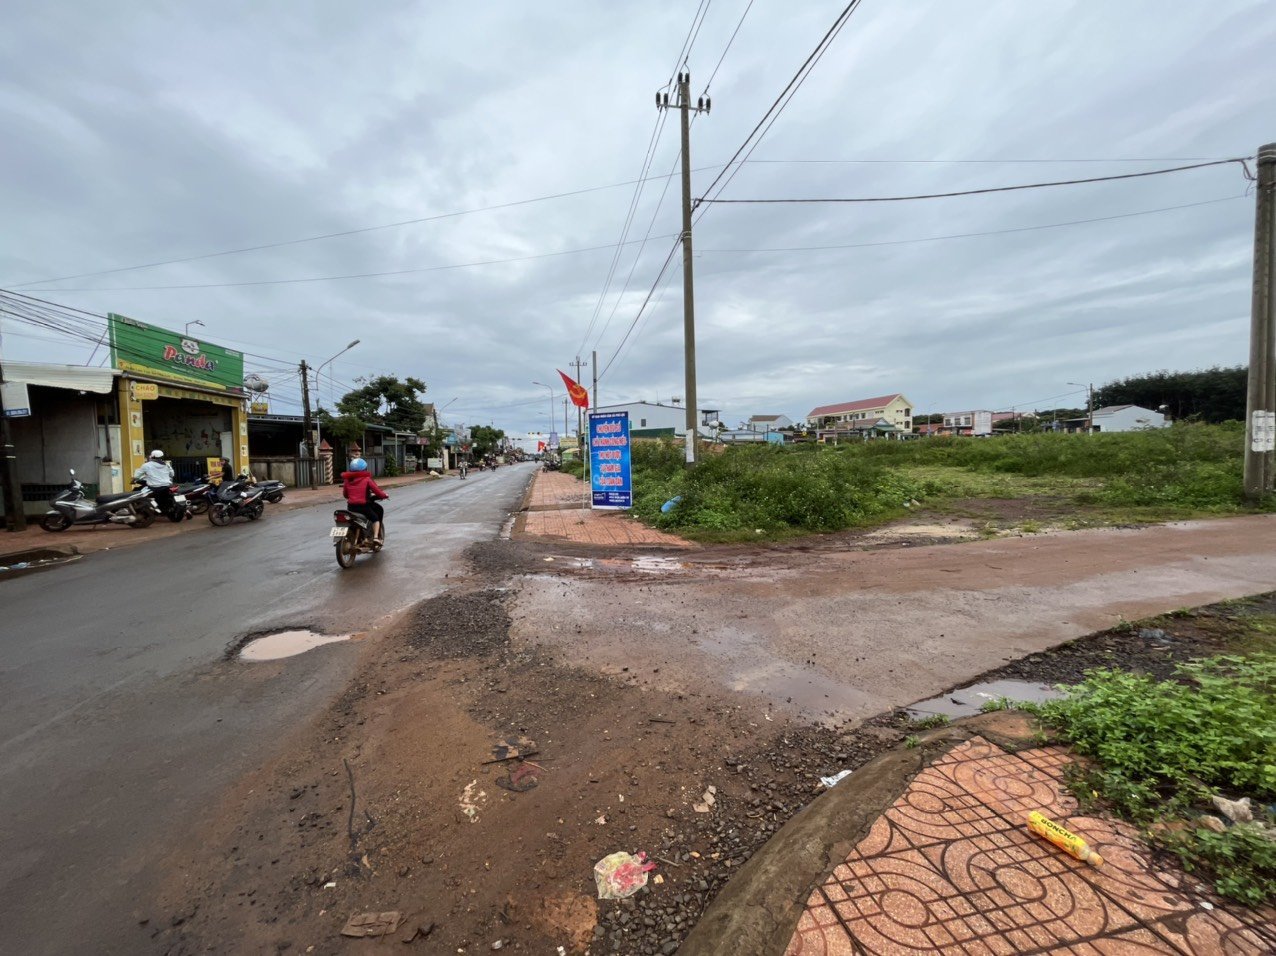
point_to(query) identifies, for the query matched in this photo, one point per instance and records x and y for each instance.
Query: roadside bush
(740, 490)
(1162, 748)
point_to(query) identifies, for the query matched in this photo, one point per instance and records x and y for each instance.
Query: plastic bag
(621, 874)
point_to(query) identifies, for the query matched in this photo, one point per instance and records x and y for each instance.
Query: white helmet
(157, 453)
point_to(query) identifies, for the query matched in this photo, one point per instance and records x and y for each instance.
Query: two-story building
(863, 416)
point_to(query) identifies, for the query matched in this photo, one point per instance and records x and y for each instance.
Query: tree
(485, 439)
(1211, 395)
(385, 400)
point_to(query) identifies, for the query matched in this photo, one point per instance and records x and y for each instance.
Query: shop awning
(79, 377)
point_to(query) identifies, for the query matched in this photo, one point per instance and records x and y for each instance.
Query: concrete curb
(38, 559)
(757, 911)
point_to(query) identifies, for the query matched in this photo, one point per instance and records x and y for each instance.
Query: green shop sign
(150, 350)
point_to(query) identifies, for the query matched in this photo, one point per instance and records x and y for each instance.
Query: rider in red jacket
(364, 497)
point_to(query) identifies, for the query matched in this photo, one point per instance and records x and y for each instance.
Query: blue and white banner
(610, 474)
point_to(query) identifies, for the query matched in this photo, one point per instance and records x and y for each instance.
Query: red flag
(575, 391)
(540, 446)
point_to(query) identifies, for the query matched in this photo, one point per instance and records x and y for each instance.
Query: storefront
(180, 395)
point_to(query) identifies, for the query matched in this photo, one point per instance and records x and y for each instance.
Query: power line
(336, 278)
(728, 46)
(331, 235)
(786, 95)
(974, 235)
(990, 189)
(668, 259)
(1007, 162)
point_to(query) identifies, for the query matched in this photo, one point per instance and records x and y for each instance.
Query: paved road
(120, 719)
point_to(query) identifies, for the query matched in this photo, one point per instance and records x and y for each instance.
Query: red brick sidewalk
(952, 868)
(557, 508)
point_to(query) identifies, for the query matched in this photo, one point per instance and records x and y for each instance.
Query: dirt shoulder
(599, 658)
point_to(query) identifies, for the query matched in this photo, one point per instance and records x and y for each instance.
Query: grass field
(764, 491)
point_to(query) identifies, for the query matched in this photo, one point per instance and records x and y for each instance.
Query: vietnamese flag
(575, 391)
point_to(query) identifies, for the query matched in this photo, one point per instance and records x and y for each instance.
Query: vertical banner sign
(610, 474)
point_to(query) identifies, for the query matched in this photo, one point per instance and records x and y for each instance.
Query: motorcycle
(352, 536)
(464, 468)
(134, 508)
(199, 495)
(237, 499)
(272, 491)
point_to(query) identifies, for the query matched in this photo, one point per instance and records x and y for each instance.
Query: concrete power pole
(595, 365)
(1260, 400)
(685, 108)
(580, 412)
(311, 452)
(15, 518)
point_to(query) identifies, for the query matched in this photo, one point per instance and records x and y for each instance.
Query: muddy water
(970, 700)
(274, 647)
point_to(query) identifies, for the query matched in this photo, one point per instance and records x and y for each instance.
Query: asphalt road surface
(121, 720)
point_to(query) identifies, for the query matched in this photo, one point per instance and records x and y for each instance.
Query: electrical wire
(727, 50)
(781, 102)
(975, 235)
(990, 189)
(329, 235)
(642, 308)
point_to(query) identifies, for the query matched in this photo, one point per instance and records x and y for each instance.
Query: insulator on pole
(700, 104)
(657, 99)
(708, 103)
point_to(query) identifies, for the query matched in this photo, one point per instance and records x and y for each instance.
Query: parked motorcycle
(237, 499)
(135, 508)
(272, 491)
(199, 495)
(352, 536)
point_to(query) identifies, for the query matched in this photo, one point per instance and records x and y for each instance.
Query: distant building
(655, 419)
(978, 422)
(864, 417)
(1119, 418)
(765, 423)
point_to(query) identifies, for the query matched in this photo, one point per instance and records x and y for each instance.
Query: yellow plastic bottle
(1064, 839)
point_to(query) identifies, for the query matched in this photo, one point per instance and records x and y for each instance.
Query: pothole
(971, 700)
(273, 647)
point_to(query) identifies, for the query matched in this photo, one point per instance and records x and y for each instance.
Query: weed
(1122, 626)
(926, 723)
(1000, 703)
(1163, 747)
(912, 741)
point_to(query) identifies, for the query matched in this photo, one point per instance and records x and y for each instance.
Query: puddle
(969, 700)
(274, 647)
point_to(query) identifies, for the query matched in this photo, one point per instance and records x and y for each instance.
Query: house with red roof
(864, 415)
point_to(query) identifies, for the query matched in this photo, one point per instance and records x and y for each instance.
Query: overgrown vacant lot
(753, 492)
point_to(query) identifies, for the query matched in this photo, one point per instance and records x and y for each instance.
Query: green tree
(1212, 395)
(387, 400)
(484, 439)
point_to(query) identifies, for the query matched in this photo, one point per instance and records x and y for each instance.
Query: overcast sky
(141, 132)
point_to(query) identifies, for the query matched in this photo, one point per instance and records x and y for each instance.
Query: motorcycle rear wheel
(176, 515)
(199, 506)
(144, 519)
(253, 512)
(347, 548)
(219, 514)
(55, 522)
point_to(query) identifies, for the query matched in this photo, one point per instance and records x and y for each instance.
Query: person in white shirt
(157, 474)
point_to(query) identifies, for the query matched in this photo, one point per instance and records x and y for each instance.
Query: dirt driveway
(644, 680)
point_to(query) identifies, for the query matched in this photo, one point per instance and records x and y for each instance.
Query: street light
(189, 324)
(551, 402)
(1089, 405)
(318, 385)
(319, 374)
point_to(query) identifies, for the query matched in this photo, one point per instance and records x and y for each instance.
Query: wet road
(120, 720)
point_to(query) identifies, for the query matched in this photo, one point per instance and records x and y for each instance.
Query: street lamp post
(189, 324)
(319, 374)
(551, 403)
(318, 381)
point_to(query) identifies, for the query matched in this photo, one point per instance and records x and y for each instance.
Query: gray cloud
(143, 133)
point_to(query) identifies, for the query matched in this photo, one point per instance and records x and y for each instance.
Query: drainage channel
(274, 647)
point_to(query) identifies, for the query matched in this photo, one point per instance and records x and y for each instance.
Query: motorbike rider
(157, 475)
(364, 497)
(228, 473)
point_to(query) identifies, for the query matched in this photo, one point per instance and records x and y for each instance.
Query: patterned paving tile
(951, 867)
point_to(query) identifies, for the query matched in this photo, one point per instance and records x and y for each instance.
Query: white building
(976, 422)
(654, 419)
(768, 423)
(1127, 418)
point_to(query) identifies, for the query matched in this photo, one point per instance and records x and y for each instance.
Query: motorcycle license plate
(337, 533)
(179, 499)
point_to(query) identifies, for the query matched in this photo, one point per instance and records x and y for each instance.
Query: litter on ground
(619, 875)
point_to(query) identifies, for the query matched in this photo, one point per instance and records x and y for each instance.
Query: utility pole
(595, 364)
(307, 443)
(565, 431)
(15, 519)
(580, 412)
(685, 109)
(1089, 409)
(1260, 399)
